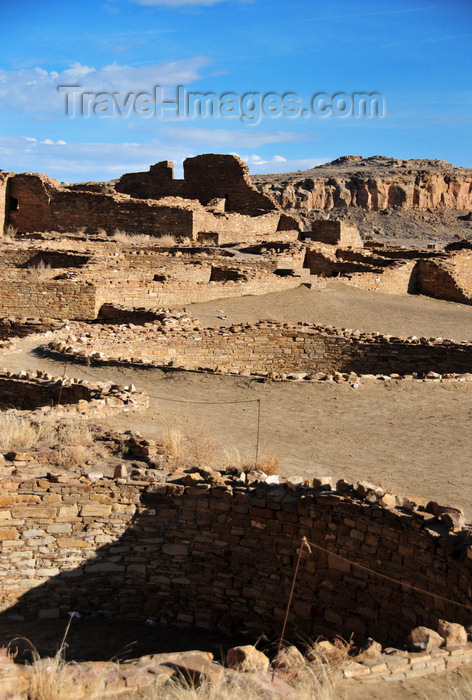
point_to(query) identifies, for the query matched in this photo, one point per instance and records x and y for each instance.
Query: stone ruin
(145, 548)
(215, 202)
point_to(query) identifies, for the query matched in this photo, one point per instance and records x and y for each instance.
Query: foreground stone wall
(224, 555)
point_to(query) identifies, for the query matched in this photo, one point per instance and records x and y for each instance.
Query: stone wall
(272, 348)
(39, 392)
(11, 327)
(29, 395)
(396, 279)
(54, 299)
(3, 201)
(336, 232)
(43, 205)
(207, 177)
(449, 278)
(236, 228)
(224, 555)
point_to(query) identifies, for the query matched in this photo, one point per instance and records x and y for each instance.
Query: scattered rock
(424, 639)
(453, 633)
(247, 658)
(370, 649)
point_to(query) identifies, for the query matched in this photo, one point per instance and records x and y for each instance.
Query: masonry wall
(397, 279)
(11, 327)
(180, 292)
(236, 228)
(61, 299)
(444, 280)
(44, 206)
(27, 396)
(206, 177)
(274, 347)
(335, 232)
(3, 201)
(224, 555)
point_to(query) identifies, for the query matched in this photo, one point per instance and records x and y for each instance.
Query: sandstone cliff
(372, 184)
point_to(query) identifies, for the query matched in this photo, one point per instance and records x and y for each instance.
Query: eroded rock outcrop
(374, 183)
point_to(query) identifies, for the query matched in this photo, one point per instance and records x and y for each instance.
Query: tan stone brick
(97, 510)
(64, 543)
(9, 534)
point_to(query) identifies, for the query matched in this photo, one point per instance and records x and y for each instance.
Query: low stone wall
(363, 269)
(39, 391)
(270, 348)
(12, 327)
(213, 552)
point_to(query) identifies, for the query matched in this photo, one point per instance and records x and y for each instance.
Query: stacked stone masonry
(224, 555)
(269, 348)
(150, 203)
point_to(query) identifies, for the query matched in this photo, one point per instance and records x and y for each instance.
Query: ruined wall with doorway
(44, 205)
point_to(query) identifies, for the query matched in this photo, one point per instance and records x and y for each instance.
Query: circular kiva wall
(224, 555)
(270, 347)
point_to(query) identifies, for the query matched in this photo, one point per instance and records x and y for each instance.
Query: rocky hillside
(429, 197)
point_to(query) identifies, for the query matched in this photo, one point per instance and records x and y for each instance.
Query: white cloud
(231, 138)
(103, 161)
(177, 3)
(49, 142)
(35, 89)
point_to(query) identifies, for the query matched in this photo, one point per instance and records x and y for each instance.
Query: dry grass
(51, 679)
(167, 241)
(122, 236)
(196, 446)
(269, 465)
(18, 432)
(326, 658)
(10, 232)
(192, 443)
(304, 688)
(41, 272)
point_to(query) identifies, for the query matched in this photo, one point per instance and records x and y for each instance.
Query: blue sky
(416, 55)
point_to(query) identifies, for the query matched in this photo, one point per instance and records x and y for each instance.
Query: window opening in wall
(14, 206)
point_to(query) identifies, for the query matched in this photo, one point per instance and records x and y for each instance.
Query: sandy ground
(338, 304)
(411, 436)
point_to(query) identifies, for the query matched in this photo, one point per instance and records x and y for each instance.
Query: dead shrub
(167, 240)
(19, 432)
(41, 272)
(269, 465)
(10, 232)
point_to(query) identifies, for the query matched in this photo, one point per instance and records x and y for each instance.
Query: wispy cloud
(177, 3)
(104, 161)
(232, 138)
(35, 89)
(352, 15)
